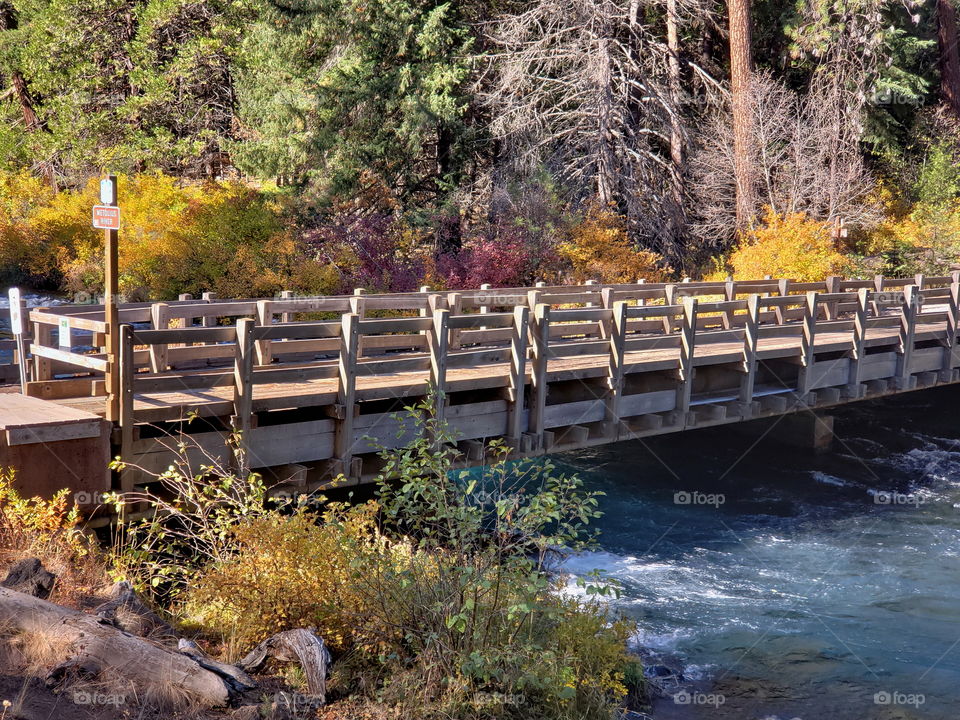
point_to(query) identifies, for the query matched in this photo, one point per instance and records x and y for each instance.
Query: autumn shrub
(502, 262)
(48, 529)
(787, 246)
(437, 596)
(377, 252)
(598, 249)
(288, 571)
(176, 236)
(924, 240)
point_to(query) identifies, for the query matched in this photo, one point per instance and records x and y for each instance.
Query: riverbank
(434, 599)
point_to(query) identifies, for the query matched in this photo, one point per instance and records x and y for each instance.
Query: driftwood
(301, 646)
(128, 612)
(233, 675)
(140, 661)
(31, 577)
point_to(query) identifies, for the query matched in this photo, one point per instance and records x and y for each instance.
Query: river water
(801, 586)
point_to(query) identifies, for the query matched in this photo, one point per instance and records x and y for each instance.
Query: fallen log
(148, 666)
(128, 612)
(31, 577)
(300, 646)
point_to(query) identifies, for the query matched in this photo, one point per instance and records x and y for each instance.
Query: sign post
(16, 327)
(107, 216)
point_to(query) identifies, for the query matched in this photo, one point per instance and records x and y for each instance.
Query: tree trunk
(8, 21)
(676, 132)
(135, 659)
(741, 72)
(606, 167)
(949, 56)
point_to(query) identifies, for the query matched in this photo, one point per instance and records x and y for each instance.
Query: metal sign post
(16, 326)
(109, 220)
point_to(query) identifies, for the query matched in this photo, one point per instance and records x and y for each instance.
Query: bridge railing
(53, 329)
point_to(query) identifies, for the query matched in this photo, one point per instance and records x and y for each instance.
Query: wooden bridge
(313, 383)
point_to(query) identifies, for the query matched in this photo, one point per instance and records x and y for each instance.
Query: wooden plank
(647, 403)
(859, 337)
(518, 374)
(539, 353)
(243, 381)
(184, 335)
(908, 329)
(807, 343)
(89, 362)
(750, 341)
(951, 358)
(33, 434)
(126, 420)
(264, 349)
(160, 319)
(687, 343)
(438, 340)
(42, 338)
(615, 369)
(347, 391)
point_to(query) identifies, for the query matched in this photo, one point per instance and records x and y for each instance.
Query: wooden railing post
(160, 319)
(688, 334)
(615, 370)
(42, 337)
(783, 286)
(518, 374)
(908, 330)
(950, 353)
(484, 305)
(807, 344)
(346, 392)
(437, 341)
(590, 282)
(286, 317)
(264, 319)
(243, 382)
(455, 304)
(208, 320)
(832, 285)
(857, 349)
(669, 298)
(539, 352)
(751, 331)
(729, 294)
(126, 420)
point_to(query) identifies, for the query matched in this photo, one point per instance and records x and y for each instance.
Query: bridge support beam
(807, 430)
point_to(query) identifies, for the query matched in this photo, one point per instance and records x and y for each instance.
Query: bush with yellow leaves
(924, 240)
(598, 249)
(288, 572)
(176, 236)
(48, 529)
(787, 246)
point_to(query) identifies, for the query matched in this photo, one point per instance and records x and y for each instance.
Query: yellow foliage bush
(48, 530)
(599, 249)
(788, 246)
(925, 240)
(175, 237)
(288, 572)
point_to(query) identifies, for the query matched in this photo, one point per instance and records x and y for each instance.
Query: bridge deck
(218, 401)
(316, 381)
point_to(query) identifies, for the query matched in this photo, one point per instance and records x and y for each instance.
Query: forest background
(323, 145)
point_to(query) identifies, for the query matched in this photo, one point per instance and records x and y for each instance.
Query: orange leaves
(598, 249)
